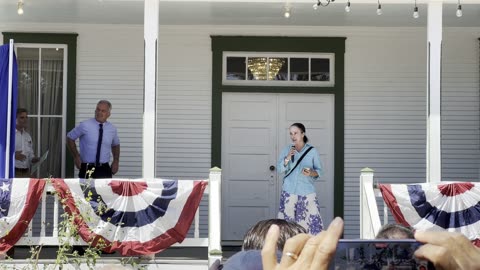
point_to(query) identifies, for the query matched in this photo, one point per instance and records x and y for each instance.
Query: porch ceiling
(240, 12)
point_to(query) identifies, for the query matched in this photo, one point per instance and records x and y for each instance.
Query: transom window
(292, 69)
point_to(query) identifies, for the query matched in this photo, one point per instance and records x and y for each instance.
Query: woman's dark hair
(395, 231)
(302, 128)
(255, 237)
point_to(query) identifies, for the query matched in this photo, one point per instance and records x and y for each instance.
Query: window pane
(277, 69)
(51, 136)
(320, 69)
(235, 68)
(51, 83)
(257, 68)
(27, 61)
(298, 69)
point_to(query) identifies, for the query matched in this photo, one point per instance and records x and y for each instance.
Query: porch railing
(48, 228)
(370, 222)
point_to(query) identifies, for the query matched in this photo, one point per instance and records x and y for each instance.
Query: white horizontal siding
(385, 102)
(385, 98)
(110, 66)
(460, 105)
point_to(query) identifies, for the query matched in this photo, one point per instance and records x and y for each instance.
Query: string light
(459, 12)
(379, 8)
(20, 7)
(320, 3)
(286, 14)
(347, 7)
(415, 11)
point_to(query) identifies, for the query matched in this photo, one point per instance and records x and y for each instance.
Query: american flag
(436, 206)
(17, 207)
(134, 217)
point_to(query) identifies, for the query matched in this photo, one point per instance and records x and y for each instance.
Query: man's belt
(90, 165)
(21, 169)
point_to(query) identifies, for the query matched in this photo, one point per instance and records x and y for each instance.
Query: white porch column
(434, 54)
(151, 14)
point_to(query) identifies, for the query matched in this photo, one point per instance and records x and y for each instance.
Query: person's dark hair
(21, 110)
(255, 236)
(302, 128)
(395, 231)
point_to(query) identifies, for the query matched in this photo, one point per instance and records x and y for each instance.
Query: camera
(353, 254)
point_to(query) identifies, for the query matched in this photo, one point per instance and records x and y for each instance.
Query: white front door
(254, 130)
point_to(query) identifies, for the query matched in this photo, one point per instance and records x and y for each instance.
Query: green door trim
(70, 39)
(334, 45)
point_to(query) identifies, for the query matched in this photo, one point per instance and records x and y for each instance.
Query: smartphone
(378, 254)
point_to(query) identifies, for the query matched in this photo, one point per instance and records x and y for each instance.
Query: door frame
(334, 45)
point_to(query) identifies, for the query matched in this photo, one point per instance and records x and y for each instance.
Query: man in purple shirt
(98, 138)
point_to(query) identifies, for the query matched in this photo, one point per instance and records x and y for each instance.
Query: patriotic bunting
(19, 199)
(133, 217)
(434, 206)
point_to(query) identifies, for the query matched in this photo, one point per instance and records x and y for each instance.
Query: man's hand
(20, 156)
(35, 159)
(78, 162)
(114, 166)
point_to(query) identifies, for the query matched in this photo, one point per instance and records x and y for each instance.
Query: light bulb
(347, 7)
(315, 6)
(286, 14)
(415, 13)
(459, 12)
(20, 8)
(379, 10)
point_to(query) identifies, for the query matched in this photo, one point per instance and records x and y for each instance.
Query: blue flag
(4, 121)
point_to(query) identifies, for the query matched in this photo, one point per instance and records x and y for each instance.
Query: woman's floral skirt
(303, 210)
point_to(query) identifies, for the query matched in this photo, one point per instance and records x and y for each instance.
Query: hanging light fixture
(415, 11)
(286, 14)
(347, 7)
(379, 8)
(20, 7)
(323, 4)
(459, 12)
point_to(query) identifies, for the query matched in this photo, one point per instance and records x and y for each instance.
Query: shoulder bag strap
(298, 162)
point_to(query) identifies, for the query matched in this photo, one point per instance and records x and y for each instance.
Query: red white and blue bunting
(133, 217)
(436, 206)
(19, 198)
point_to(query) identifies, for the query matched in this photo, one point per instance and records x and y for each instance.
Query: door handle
(272, 168)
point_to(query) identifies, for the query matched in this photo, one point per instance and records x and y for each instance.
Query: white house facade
(384, 91)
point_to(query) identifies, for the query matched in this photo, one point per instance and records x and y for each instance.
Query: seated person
(395, 231)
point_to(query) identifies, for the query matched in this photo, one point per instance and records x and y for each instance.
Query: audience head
(395, 231)
(255, 236)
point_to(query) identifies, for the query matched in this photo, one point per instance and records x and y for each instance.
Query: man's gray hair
(104, 101)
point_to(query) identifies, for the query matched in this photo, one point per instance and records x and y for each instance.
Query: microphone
(293, 156)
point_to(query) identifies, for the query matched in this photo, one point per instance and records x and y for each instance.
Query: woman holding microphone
(300, 165)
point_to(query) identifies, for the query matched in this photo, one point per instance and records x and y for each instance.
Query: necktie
(99, 144)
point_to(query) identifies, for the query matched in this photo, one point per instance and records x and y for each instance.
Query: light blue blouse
(296, 182)
(88, 131)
